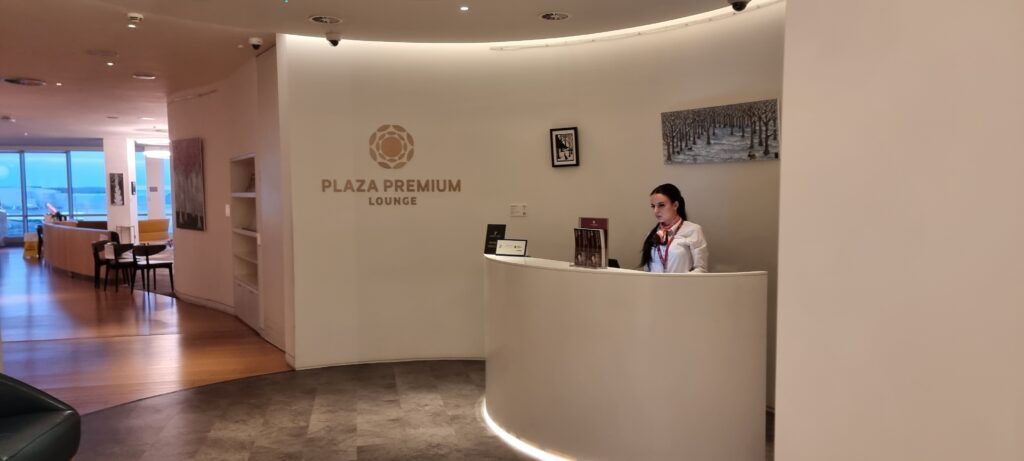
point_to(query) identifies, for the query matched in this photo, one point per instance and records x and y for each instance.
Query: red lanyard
(664, 256)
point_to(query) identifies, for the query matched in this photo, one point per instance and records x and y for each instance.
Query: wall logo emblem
(391, 146)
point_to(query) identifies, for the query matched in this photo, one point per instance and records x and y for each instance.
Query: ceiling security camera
(739, 5)
(333, 37)
(255, 43)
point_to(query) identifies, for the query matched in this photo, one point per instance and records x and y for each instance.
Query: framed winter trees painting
(732, 133)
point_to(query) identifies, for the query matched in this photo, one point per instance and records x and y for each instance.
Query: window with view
(33, 182)
(88, 186)
(143, 182)
(140, 184)
(46, 186)
(10, 195)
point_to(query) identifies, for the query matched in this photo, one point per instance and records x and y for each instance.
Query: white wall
(900, 299)
(375, 283)
(119, 157)
(239, 116)
(275, 214)
(226, 121)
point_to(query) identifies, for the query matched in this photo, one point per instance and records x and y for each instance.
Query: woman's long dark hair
(674, 196)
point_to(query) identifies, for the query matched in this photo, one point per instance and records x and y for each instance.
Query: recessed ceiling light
(144, 76)
(148, 119)
(554, 16)
(322, 19)
(59, 84)
(463, 8)
(134, 19)
(110, 63)
(113, 117)
(26, 133)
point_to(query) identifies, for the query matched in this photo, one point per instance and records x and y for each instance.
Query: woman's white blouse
(688, 251)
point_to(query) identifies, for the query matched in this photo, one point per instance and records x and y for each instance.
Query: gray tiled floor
(392, 411)
(402, 411)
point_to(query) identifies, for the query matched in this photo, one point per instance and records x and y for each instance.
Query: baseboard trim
(205, 302)
(365, 362)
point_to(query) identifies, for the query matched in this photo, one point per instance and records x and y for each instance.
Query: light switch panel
(227, 210)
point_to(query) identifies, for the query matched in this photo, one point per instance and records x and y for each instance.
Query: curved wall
(402, 282)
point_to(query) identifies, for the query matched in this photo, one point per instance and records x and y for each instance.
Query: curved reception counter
(68, 247)
(615, 364)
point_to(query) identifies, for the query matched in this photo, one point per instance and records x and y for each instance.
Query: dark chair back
(121, 248)
(39, 234)
(145, 251)
(97, 248)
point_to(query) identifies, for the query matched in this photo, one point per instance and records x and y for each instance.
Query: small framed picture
(565, 147)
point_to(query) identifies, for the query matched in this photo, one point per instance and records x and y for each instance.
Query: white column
(155, 187)
(119, 157)
(900, 323)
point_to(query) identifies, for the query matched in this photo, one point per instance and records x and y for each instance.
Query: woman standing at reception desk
(674, 245)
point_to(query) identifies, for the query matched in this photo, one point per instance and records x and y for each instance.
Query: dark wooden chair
(122, 264)
(148, 268)
(97, 260)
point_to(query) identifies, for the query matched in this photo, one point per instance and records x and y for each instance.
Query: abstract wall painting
(116, 189)
(189, 190)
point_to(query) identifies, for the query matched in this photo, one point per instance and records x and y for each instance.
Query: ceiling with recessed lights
(433, 21)
(88, 47)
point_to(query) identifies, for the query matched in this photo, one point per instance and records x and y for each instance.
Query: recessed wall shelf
(245, 232)
(245, 246)
(248, 281)
(247, 258)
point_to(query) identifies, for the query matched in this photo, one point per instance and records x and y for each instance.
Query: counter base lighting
(520, 445)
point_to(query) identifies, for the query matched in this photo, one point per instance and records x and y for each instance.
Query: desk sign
(511, 248)
(495, 232)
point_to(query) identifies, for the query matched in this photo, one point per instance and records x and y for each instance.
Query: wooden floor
(95, 349)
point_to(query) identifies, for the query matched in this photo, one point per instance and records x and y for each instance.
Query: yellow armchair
(153, 230)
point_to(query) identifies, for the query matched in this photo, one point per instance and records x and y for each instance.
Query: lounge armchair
(34, 425)
(154, 230)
